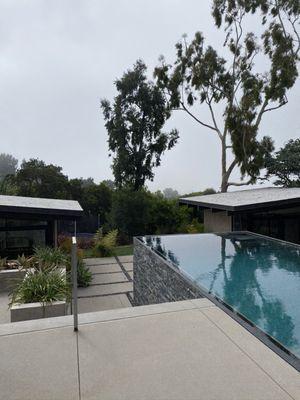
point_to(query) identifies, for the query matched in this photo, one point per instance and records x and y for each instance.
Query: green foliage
(134, 124)
(84, 275)
(37, 179)
(202, 193)
(195, 227)
(47, 256)
(104, 244)
(25, 262)
(201, 76)
(94, 198)
(8, 165)
(142, 212)
(131, 211)
(42, 286)
(285, 165)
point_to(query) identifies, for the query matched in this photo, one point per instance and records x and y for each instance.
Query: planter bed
(29, 311)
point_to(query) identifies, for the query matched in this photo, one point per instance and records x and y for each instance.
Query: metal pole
(74, 276)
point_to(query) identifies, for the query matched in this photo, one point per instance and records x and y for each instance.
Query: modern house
(270, 211)
(26, 222)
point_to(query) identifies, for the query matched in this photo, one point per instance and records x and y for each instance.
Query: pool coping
(265, 338)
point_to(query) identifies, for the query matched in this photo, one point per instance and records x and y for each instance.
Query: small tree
(285, 165)
(134, 124)
(235, 84)
(8, 165)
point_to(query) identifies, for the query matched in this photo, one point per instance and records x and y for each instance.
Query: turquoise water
(258, 277)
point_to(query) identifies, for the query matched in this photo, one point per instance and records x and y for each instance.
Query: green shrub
(104, 244)
(47, 256)
(42, 286)
(84, 275)
(194, 227)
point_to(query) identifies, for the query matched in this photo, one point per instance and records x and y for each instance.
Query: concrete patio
(181, 350)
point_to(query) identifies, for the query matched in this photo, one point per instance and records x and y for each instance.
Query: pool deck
(182, 350)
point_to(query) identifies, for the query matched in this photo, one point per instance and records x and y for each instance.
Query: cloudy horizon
(59, 58)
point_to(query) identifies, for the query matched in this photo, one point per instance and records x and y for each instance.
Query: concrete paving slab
(39, 365)
(274, 365)
(92, 304)
(100, 261)
(106, 269)
(179, 355)
(96, 290)
(125, 259)
(109, 278)
(128, 266)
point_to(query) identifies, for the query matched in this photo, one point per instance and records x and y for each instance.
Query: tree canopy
(134, 123)
(8, 165)
(285, 165)
(37, 179)
(200, 76)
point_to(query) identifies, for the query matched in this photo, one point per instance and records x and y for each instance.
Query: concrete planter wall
(10, 278)
(155, 280)
(23, 312)
(28, 311)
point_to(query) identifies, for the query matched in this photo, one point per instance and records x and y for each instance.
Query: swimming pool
(256, 276)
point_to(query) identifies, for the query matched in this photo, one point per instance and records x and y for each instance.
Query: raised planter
(10, 278)
(23, 312)
(29, 311)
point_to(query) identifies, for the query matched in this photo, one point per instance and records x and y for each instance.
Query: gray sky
(59, 57)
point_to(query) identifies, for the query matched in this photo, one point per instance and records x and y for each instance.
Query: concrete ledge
(10, 278)
(23, 312)
(102, 316)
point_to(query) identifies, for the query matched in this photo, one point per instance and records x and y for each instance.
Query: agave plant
(42, 286)
(24, 262)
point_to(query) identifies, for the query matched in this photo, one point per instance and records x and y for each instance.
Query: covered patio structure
(269, 211)
(27, 222)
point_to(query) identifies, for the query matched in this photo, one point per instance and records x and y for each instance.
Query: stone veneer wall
(155, 281)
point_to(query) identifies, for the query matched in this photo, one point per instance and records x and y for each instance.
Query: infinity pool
(258, 277)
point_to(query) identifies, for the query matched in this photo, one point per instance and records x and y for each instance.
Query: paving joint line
(123, 269)
(107, 283)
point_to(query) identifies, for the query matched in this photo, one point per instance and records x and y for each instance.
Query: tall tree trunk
(224, 183)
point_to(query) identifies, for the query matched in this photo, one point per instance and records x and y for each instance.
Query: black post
(74, 276)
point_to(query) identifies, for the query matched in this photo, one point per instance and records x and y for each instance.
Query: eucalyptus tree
(285, 165)
(134, 123)
(236, 85)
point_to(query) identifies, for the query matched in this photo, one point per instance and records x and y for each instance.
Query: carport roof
(246, 199)
(41, 206)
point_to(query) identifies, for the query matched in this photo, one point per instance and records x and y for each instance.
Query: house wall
(217, 221)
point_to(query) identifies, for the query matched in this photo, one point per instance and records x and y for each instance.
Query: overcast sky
(59, 57)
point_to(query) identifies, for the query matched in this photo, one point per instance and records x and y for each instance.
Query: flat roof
(246, 199)
(36, 205)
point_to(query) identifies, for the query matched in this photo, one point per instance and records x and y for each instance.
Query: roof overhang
(207, 202)
(27, 207)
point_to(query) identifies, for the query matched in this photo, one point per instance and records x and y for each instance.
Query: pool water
(257, 276)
